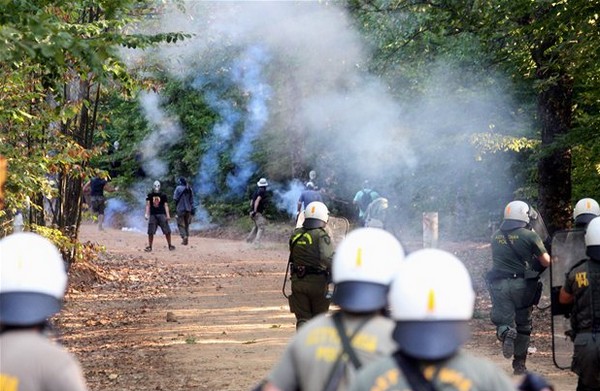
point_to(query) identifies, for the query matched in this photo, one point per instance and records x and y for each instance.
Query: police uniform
(583, 282)
(31, 362)
(311, 253)
(461, 371)
(308, 360)
(513, 285)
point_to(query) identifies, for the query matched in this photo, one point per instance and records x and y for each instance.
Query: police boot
(518, 365)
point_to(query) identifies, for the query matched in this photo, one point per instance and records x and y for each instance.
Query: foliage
(55, 57)
(549, 49)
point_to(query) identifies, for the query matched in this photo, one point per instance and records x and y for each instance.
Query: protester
(158, 215)
(308, 195)
(95, 187)
(258, 203)
(32, 285)
(184, 206)
(362, 199)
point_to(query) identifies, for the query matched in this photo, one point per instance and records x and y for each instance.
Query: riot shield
(538, 225)
(568, 247)
(337, 227)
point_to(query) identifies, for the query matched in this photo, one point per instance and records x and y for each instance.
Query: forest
(456, 107)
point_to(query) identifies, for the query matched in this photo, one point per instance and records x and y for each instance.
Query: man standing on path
(258, 203)
(95, 187)
(184, 205)
(513, 282)
(582, 290)
(157, 214)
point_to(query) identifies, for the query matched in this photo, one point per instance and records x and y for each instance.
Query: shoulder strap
(337, 370)
(412, 373)
(337, 320)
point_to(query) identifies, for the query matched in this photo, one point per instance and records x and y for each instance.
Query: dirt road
(211, 316)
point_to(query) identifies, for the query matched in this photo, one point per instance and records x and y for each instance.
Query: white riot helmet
(33, 279)
(316, 215)
(517, 214)
(592, 239)
(585, 210)
(431, 299)
(156, 186)
(363, 266)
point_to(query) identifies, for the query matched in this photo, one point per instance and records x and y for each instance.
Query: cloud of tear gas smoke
(166, 132)
(286, 197)
(301, 65)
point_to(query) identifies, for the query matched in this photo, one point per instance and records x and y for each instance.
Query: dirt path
(211, 316)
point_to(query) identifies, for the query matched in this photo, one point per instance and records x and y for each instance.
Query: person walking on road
(319, 357)
(513, 281)
(258, 203)
(158, 215)
(311, 252)
(32, 286)
(582, 290)
(95, 187)
(184, 206)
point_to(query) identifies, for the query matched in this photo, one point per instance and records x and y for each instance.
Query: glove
(252, 214)
(146, 216)
(534, 382)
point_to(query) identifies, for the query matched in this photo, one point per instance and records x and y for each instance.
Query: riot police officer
(311, 252)
(582, 290)
(32, 286)
(514, 282)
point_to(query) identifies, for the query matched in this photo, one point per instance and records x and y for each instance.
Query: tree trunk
(555, 115)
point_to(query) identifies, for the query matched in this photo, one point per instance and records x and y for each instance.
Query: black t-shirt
(97, 187)
(262, 192)
(157, 203)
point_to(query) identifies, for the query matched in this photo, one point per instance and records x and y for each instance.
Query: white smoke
(302, 66)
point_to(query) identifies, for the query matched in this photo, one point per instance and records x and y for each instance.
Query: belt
(302, 270)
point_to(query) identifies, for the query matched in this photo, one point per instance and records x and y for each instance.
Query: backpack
(365, 199)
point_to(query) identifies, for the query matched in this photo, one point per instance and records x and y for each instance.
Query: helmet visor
(431, 340)
(360, 296)
(27, 308)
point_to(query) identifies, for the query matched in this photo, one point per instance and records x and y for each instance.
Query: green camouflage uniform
(511, 289)
(311, 252)
(462, 371)
(583, 282)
